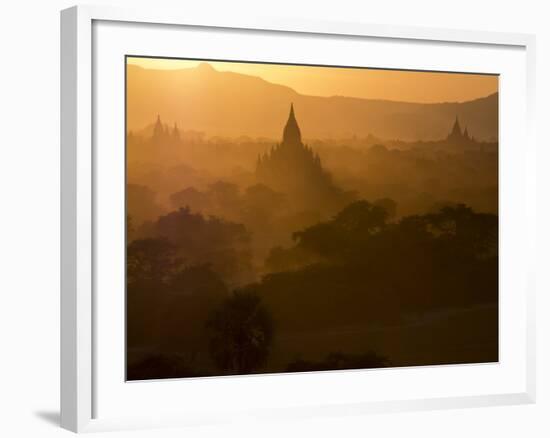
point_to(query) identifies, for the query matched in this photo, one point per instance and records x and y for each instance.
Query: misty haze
(270, 230)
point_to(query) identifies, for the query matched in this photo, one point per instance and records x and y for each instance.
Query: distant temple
(293, 168)
(459, 137)
(161, 132)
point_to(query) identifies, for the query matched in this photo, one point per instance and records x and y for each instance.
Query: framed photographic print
(340, 212)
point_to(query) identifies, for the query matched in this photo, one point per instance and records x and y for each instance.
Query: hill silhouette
(233, 104)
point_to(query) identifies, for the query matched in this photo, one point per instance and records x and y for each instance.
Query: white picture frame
(80, 170)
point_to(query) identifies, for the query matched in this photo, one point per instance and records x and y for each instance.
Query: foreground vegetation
(350, 292)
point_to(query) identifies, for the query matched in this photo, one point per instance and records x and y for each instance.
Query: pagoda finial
(291, 133)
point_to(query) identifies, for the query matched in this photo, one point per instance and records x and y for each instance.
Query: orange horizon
(367, 83)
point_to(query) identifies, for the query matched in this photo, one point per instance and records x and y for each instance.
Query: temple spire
(456, 127)
(291, 133)
(456, 133)
(176, 131)
(158, 130)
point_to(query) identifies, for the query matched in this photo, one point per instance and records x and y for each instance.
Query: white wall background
(29, 217)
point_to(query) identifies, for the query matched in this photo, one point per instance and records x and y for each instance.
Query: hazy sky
(355, 82)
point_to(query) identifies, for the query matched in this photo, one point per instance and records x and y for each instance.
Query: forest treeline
(360, 281)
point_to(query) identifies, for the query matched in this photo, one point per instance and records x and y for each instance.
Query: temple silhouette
(161, 132)
(459, 137)
(293, 168)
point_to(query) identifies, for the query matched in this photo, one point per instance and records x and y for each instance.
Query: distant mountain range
(232, 104)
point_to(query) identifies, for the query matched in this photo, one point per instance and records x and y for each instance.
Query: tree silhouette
(198, 280)
(242, 333)
(389, 205)
(191, 198)
(141, 203)
(150, 264)
(193, 293)
(361, 217)
(222, 244)
(151, 261)
(333, 239)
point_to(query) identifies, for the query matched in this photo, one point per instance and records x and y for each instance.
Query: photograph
(285, 218)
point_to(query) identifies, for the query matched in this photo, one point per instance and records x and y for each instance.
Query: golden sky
(407, 86)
